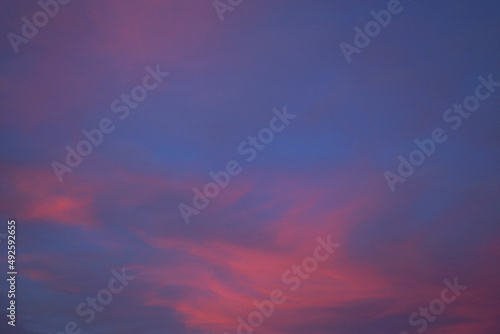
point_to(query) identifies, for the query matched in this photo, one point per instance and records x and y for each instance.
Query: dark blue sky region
(412, 220)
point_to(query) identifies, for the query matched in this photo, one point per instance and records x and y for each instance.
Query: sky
(250, 166)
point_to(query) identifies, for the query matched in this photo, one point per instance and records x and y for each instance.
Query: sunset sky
(321, 179)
